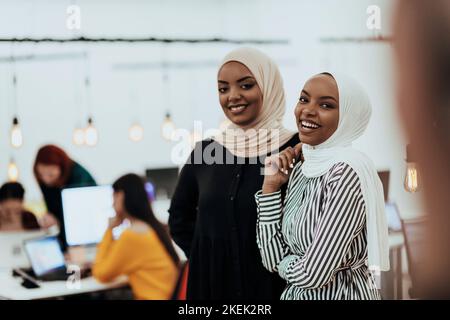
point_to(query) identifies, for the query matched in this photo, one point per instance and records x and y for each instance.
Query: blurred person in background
(55, 170)
(144, 251)
(422, 52)
(13, 215)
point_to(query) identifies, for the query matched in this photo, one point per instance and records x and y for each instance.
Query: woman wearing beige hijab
(213, 212)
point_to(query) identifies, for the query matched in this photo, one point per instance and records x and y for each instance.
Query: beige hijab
(266, 133)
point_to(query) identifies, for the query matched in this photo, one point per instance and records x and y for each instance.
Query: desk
(392, 284)
(11, 288)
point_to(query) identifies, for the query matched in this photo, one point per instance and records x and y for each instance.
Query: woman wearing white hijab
(331, 229)
(213, 213)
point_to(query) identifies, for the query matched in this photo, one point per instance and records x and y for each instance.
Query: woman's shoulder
(209, 143)
(29, 221)
(344, 173)
(136, 239)
(133, 233)
(202, 144)
(80, 176)
(198, 154)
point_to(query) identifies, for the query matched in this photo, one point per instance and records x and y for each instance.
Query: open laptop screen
(45, 255)
(86, 213)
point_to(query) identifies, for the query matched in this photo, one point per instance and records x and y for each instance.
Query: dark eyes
(245, 86)
(304, 100)
(327, 106)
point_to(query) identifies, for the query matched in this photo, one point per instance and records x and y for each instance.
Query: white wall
(51, 94)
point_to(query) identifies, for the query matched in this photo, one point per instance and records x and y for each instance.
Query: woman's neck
(138, 226)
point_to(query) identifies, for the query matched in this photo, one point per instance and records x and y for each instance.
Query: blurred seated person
(144, 251)
(13, 216)
(55, 170)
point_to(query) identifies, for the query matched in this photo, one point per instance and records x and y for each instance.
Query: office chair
(414, 232)
(179, 292)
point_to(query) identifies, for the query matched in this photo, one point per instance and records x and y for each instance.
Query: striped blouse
(317, 239)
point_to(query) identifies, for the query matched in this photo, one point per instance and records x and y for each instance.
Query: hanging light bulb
(90, 134)
(16, 134)
(412, 176)
(167, 128)
(78, 138)
(13, 171)
(136, 132)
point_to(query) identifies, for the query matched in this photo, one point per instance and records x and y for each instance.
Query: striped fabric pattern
(317, 239)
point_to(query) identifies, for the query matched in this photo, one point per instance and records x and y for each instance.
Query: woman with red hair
(55, 170)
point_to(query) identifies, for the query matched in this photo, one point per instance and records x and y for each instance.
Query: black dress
(213, 220)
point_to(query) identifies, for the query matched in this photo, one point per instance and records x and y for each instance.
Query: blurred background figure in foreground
(422, 49)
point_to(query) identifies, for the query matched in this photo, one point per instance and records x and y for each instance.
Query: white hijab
(354, 114)
(252, 140)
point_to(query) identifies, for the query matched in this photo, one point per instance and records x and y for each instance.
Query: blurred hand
(48, 220)
(277, 168)
(115, 222)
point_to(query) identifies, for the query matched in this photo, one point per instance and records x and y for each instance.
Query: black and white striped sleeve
(268, 233)
(341, 219)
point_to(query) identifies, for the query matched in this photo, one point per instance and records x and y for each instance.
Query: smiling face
(239, 94)
(317, 111)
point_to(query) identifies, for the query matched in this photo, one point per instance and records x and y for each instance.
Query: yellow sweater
(151, 272)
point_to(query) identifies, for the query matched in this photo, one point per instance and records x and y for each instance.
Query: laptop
(86, 213)
(47, 259)
(12, 254)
